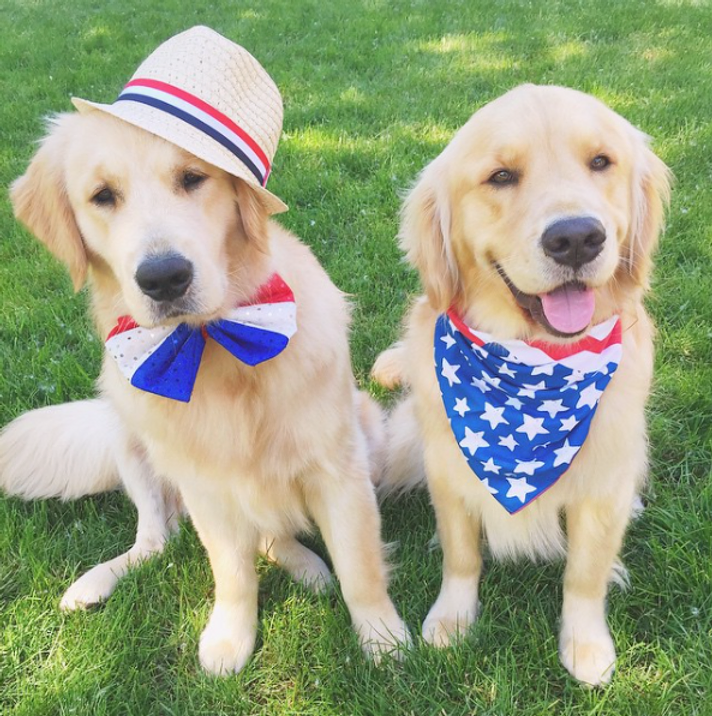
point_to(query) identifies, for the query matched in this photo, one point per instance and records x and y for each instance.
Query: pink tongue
(569, 309)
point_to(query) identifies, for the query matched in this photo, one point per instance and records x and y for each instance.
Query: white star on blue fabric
(449, 372)
(589, 396)
(571, 380)
(504, 370)
(448, 340)
(553, 407)
(493, 416)
(568, 424)
(478, 383)
(514, 402)
(493, 381)
(519, 488)
(491, 490)
(565, 454)
(491, 466)
(461, 406)
(509, 442)
(528, 467)
(545, 369)
(532, 427)
(528, 391)
(473, 441)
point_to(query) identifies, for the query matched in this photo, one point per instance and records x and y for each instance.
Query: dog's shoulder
(323, 310)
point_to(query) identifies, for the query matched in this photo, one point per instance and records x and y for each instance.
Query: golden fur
(457, 227)
(259, 451)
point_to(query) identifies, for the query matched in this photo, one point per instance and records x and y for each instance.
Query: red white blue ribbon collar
(165, 360)
(202, 116)
(520, 411)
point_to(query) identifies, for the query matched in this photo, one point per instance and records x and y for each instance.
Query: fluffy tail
(64, 451)
(404, 465)
(373, 424)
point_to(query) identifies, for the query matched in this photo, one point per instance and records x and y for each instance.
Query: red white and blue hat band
(202, 116)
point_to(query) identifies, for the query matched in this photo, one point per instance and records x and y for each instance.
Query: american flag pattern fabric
(520, 411)
(165, 360)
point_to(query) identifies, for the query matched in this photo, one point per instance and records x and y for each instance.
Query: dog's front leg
(595, 532)
(157, 519)
(344, 507)
(456, 607)
(231, 542)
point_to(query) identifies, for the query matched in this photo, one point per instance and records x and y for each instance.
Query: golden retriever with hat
(226, 381)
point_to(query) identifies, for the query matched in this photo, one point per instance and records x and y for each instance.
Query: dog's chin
(543, 308)
(157, 314)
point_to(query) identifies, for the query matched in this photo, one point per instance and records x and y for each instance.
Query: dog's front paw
(227, 642)
(588, 655)
(382, 633)
(451, 617)
(442, 631)
(90, 589)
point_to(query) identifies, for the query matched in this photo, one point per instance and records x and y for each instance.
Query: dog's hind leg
(305, 566)
(158, 511)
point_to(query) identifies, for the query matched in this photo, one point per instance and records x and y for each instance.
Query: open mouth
(565, 311)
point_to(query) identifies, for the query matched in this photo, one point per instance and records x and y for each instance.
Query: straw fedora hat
(209, 96)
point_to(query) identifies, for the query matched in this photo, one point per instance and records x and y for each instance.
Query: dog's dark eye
(503, 177)
(600, 162)
(104, 197)
(192, 180)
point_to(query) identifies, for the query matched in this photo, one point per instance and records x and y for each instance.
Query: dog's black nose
(164, 278)
(574, 242)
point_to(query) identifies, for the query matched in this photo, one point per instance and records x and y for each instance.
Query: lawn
(373, 90)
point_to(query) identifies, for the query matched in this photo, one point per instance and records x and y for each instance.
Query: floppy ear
(425, 237)
(253, 215)
(39, 199)
(651, 195)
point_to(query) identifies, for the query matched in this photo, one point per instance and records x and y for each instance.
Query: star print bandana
(520, 411)
(165, 360)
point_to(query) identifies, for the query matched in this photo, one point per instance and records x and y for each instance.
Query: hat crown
(210, 97)
(225, 76)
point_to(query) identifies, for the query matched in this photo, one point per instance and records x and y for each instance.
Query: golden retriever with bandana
(532, 233)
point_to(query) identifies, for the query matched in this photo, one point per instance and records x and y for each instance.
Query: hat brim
(186, 137)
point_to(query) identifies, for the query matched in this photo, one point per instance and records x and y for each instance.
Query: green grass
(373, 90)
